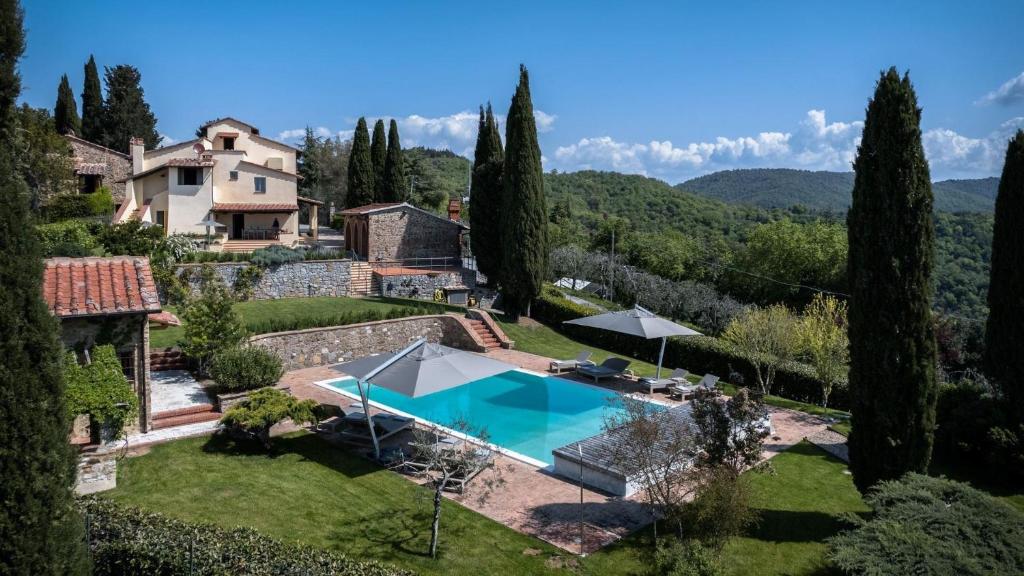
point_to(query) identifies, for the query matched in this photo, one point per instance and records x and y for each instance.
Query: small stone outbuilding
(96, 166)
(107, 301)
(397, 232)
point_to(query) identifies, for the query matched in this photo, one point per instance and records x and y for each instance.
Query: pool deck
(534, 501)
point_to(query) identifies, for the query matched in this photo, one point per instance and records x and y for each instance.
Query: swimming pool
(522, 412)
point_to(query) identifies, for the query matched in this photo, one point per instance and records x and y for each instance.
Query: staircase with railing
(362, 281)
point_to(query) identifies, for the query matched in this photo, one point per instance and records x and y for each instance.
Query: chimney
(137, 147)
(454, 210)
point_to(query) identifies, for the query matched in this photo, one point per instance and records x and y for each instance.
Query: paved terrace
(536, 502)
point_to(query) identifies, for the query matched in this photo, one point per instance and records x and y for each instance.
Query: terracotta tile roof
(189, 162)
(240, 207)
(371, 208)
(97, 168)
(99, 286)
(306, 200)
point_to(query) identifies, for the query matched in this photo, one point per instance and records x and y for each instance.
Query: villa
(230, 182)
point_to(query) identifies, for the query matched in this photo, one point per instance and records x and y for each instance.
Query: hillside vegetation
(784, 187)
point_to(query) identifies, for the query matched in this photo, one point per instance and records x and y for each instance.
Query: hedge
(126, 541)
(706, 354)
(289, 323)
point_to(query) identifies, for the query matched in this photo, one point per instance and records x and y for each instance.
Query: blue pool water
(522, 412)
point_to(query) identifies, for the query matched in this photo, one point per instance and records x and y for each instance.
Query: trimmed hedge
(795, 381)
(245, 368)
(126, 541)
(289, 323)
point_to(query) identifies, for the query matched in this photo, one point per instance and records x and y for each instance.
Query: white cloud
(545, 122)
(299, 133)
(1011, 92)
(166, 140)
(815, 144)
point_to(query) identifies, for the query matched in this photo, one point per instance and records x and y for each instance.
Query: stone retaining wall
(294, 280)
(422, 286)
(320, 346)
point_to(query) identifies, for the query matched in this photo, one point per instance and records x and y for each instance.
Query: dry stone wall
(320, 346)
(404, 233)
(422, 286)
(294, 280)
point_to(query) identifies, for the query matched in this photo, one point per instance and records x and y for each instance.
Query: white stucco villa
(245, 182)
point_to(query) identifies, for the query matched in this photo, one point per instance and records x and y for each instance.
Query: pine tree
(1004, 331)
(396, 186)
(524, 215)
(360, 169)
(892, 340)
(378, 154)
(92, 104)
(65, 112)
(485, 198)
(126, 113)
(40, 530)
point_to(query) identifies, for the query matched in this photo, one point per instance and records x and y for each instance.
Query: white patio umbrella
(210, 222)
(637, 322)
(417, 370)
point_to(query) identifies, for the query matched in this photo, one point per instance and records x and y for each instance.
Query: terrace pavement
(534, 501)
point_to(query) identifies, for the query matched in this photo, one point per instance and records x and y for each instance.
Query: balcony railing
(419, 263)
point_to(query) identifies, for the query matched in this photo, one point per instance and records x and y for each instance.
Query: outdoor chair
(460, 478)
(610, 368)
(582, 359)
(385, 426)
(650, 385)
(682, 391)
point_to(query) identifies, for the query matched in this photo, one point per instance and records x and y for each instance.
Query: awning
(244, 207)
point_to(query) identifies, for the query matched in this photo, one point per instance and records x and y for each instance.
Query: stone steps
(247, 245)
(489, 338)
(167, 359)
(362, 281)
(182, 416)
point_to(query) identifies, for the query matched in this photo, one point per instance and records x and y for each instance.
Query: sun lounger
(681, 391)
(582, 359)
(459, 479)
(385, 425)
(650, 385)
(610, 368)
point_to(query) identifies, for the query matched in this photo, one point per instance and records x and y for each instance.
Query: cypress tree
(65, 112)
(126, 113)
(524, 215)
(485, 197)
(892, 340)
(1004, 332)
(360, 169)
(40, 530)
(92, 103)
(378, 154)
(396, 187)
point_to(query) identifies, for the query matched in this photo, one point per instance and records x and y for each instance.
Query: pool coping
(326, 384)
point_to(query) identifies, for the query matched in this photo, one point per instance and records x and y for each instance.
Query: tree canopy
(378, 156)
(92, 103)
(485, 197)
(126, 113)
(65, 111)
(360, 169)
(395, 184)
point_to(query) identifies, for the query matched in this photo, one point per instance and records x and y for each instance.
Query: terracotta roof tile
(96, 168)
(371, 207)
(242, 207)
(99, 286)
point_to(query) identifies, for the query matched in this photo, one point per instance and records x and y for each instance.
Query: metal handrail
(421, 262)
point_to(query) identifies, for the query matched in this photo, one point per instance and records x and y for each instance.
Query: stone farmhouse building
(96, 166)
(399, 231)
(107, 301)
(231, 175)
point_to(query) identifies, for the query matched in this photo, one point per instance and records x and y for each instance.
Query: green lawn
(800, 504)
(255, 311)
(311, 492)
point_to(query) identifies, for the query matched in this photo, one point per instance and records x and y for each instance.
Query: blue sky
(671, 90)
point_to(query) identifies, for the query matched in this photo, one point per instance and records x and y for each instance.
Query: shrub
(274, 255)
(924, 525)
(211, 324)
(246, 368)
(66, 207)
(721, 509)
(264, 408)
(245, 282)
(685, 558)
(126, 541)
(975, 431)
(100, 202)
(131, 238)
(287, 324)
(99, 389)
(793, 380)
(72, 238)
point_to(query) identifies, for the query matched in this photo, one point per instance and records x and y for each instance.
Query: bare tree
(450, 463)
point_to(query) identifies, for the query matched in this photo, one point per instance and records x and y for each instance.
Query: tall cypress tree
(524, 215)
(65, 112)
(485, 198)
(126, 113)
(92, 103)
(1004, 332)
(378, 154)
(892, 340)
(360, 169)
(395, 187)
(40, 530)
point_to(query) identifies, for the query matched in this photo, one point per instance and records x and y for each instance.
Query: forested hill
(784, 187)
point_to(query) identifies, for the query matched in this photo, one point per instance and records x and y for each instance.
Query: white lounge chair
(611, 367)
(582, 359)
(650, 385)
(683, 390)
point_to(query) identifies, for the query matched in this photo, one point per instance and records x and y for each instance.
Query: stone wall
(422, 286)
(295, 280)
(320, 346)
(116, 166)
(408, 233)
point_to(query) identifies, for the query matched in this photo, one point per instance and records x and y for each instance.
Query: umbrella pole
(369, 421)
(661, 355)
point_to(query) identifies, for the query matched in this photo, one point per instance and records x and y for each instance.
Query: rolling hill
(828, 191)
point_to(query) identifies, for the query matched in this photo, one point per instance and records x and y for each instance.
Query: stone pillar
(142, 377)
(314, 222)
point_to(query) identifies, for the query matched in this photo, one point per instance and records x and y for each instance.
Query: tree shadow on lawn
(797, 526)
(309, 446)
